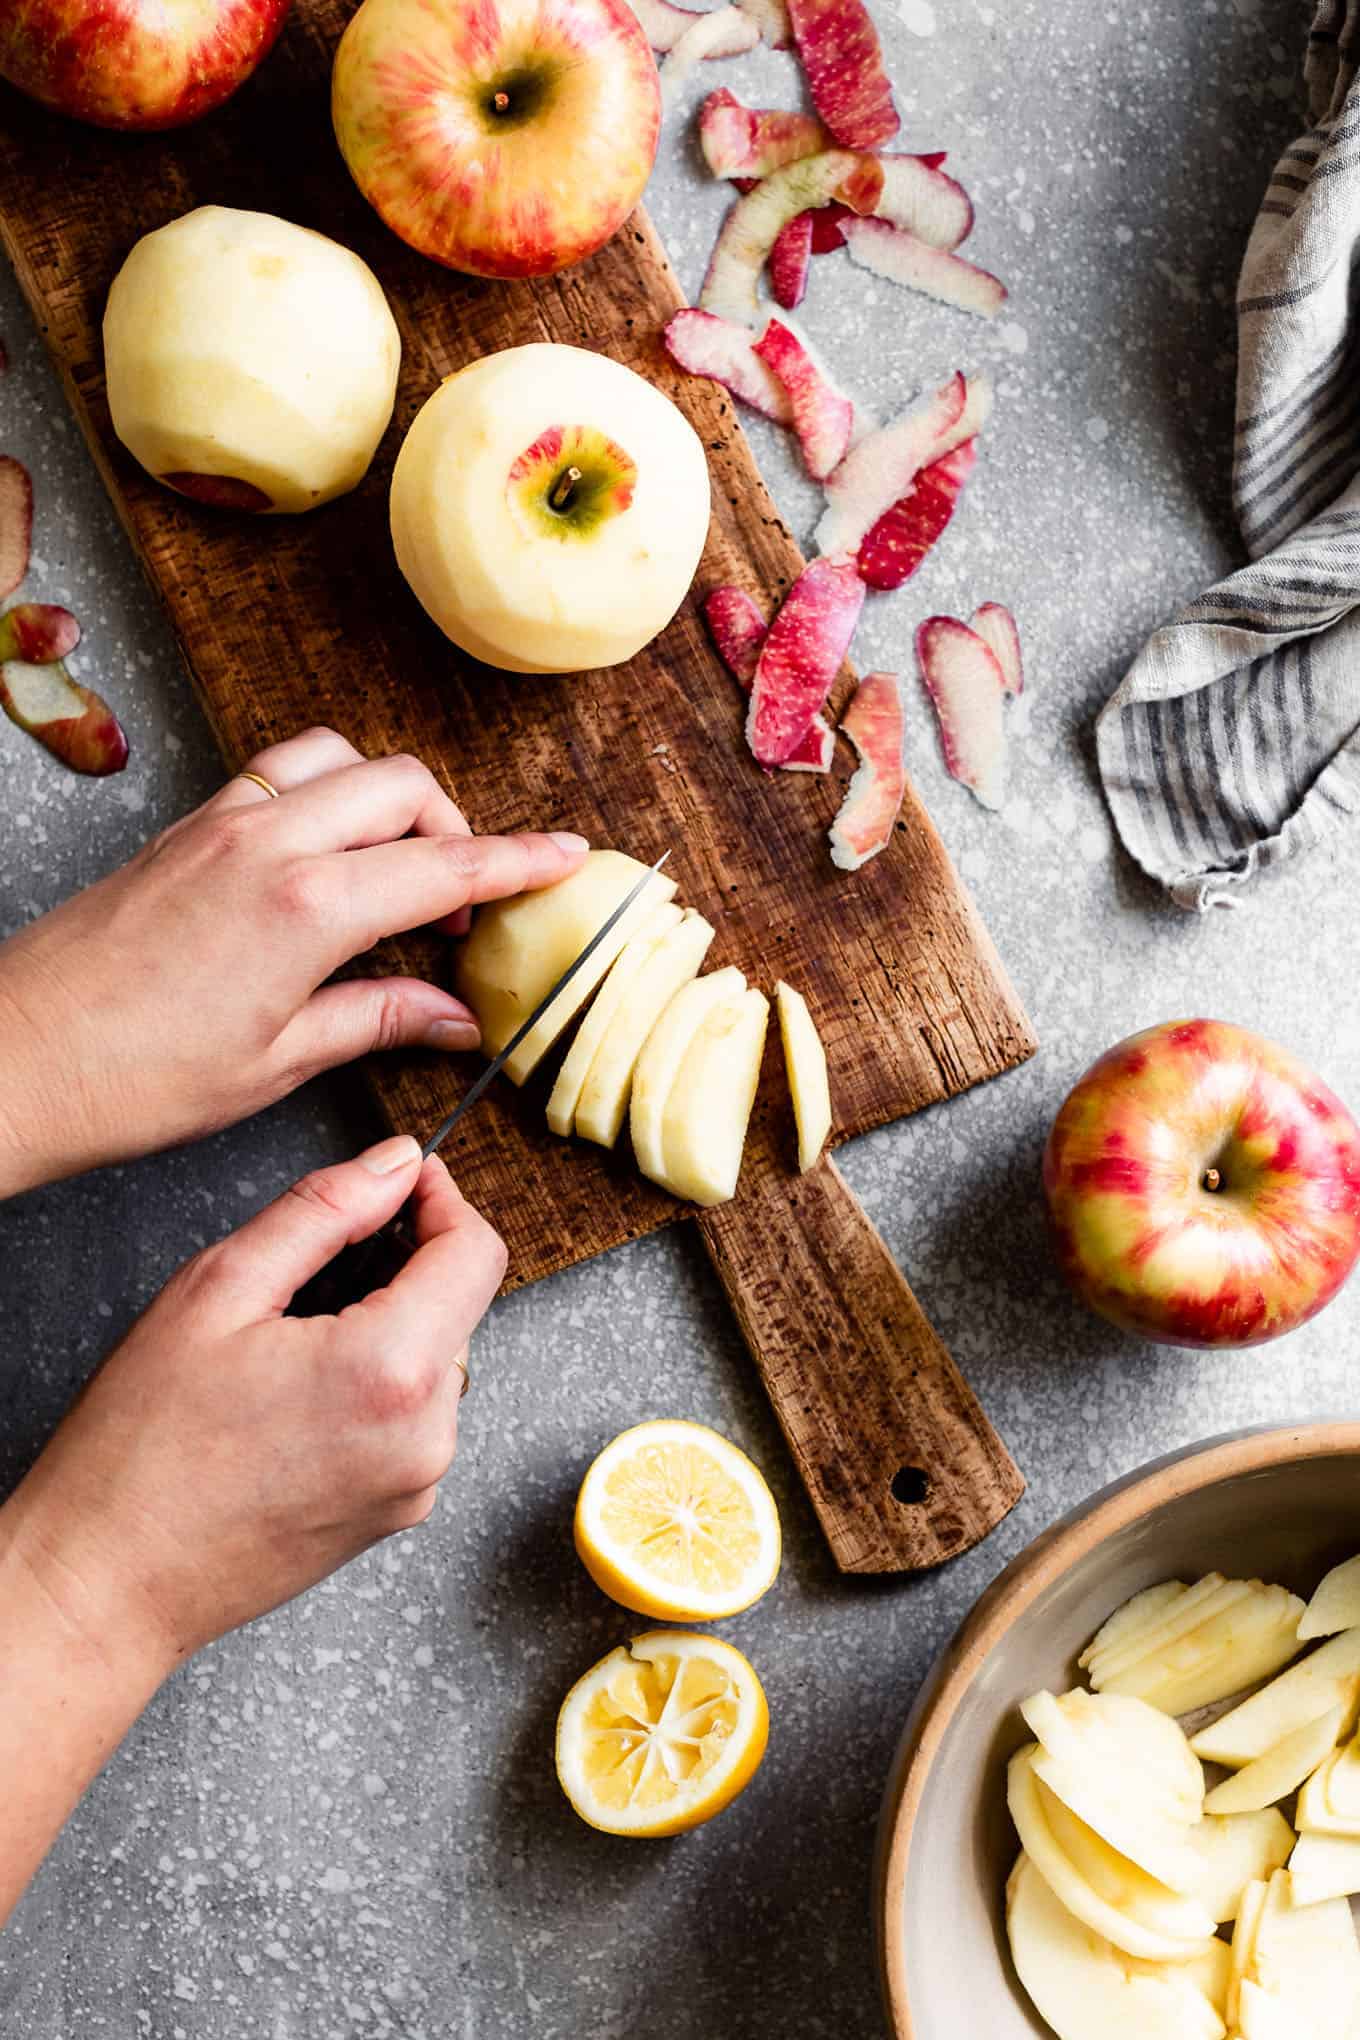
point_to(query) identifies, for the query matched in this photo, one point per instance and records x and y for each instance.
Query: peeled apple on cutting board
(674, 1053)
(1133, 1864)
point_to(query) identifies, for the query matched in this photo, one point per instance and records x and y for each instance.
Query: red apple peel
(965, 686)
(875, 723)
(904, 258)
(880, 468)
(840, 52)
(37, 633)
(16, 522)
(747, 141)
(801, 657)
(895, 547)
(754, 224)
(920, 199)
(72, 722)
(703, 344)
(996, 627)
(723, 32)
(822, 417)
(790, 260)
(738, 627)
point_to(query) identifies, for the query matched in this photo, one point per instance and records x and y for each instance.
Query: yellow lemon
(674, 1522)
(661, 1734)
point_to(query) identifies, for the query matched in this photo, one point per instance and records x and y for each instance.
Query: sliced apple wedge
(1233, 1647)
(1182, 1612)
(1323, 1867)
(677, 958)
(1336, 1604)
(1329, 1801)
(663, 1052)
(1089, 1990)
(519, 947)
(1111, 1737)
(805, 1066)
(709, 1107)
(1148, 1837)
(1282, 1769)
(1302, 1979)
(575, 1068)
(1235, 1850)
(1133, 1617)
(1244, 1946)
(1329, 1678)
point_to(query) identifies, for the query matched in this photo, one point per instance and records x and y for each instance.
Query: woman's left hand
(188, 989)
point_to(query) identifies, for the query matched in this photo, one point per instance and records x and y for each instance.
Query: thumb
(344, 1021)
(271, 1256)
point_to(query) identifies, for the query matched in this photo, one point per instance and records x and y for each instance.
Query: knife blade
(373, 1262)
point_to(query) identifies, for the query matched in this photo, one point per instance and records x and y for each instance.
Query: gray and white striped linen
(1233, 741)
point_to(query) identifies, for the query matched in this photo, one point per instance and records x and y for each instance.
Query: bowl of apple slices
(1126, 1805)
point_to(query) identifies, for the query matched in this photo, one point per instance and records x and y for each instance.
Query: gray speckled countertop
(343, 1823)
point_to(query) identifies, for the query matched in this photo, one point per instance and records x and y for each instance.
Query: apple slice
(1235, 1850)
(805, 1067)
(1281, 1770)
(754, 224)
(1329, 1801)
(840, 52)
(519, 947)
(37, 633)
(703, 1133)
(1087, 1989)
(790, 260)
(623, 971)
(1206, 1597)
(662, 1054)
(1249, 1911)
(1109, 1735)
(895, 547)
(965, 687)
(875, 723)
(738, 627)
(822, 417)
(1230, 1649)
(1324, 1866)
(666, 26)
(996, 627)
(16, 522)
(801, 657)
(71, 721)
(1303, 1973)
(891, 252)
(1336, 1604)
(920, 199)
(677, 959)
(703, 344)
(746, 141)
(880, 468)
(1329, 1678)
(1134, 1616)
(722, 32)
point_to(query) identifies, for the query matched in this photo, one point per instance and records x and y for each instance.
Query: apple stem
(1211, 1180)
(560, 494)
(501, 101)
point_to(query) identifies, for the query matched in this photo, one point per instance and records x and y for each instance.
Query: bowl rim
(1042, 1561)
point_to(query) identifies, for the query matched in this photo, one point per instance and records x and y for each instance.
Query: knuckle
(322, 1191)
(388, 1014)
(402, 1389)
(406, 766)
(227, 836)
(303, 892)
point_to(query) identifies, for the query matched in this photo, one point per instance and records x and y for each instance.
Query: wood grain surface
(288, 622)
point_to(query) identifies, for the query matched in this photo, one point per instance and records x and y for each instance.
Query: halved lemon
(661, 1734)
(674, 1521)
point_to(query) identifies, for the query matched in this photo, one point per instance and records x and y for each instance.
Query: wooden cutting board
(292, 621)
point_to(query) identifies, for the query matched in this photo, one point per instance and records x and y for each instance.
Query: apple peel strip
(875, 723)
(822, 418)
(666, 25)
(754, 224)
(902, 257)
(843, 60)
(746, 141)
(998, 629)
(738, 627)
(725, 32)
(880, 468)
(72, 722)
(801, 656)
(16, 522)
(790, 261)
(966, 688)
(896, 545)
(703, 344)
(37, 633)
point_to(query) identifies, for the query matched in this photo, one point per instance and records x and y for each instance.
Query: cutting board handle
(903, 1468)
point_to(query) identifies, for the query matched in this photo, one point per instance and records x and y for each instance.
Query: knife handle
(356, 1271)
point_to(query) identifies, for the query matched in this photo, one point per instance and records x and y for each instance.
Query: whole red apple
(135, 63)
(1204, 1187)
(502, 137)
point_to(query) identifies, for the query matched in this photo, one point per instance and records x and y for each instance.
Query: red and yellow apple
(502, 137)
(1204, 1187)
(251, 364)
(135, 63)
(549, 508)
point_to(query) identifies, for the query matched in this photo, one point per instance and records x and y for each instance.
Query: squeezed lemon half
(661, 1734)
(675, 1522)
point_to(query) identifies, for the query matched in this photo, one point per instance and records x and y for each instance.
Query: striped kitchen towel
(1233, 742)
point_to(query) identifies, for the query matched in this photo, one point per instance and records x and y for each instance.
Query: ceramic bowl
(1278, 1505)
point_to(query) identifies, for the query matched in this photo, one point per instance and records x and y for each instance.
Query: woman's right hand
(188, 990)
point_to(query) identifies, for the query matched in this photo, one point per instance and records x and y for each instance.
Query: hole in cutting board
(910, 1484)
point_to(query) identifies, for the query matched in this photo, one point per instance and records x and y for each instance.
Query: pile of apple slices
(674, 1053)
(1129, 1866)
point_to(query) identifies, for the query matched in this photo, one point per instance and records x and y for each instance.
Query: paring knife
(371, 1264)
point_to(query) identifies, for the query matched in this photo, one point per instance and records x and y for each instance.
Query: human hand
(187, 990)
(226, 1457)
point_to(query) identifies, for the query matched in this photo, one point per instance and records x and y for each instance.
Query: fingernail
(390, 1155)
(453, 1035)
(566, 841)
